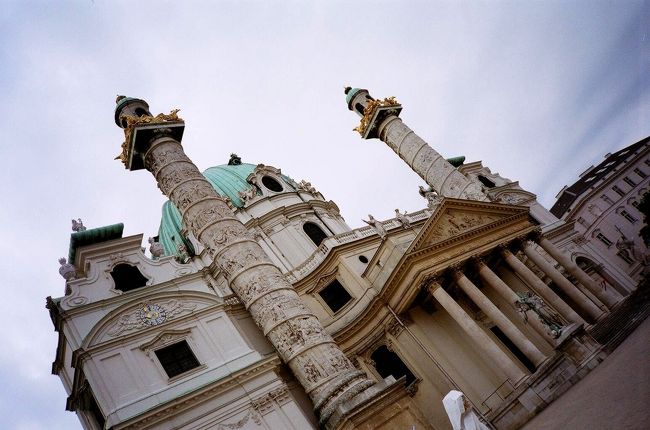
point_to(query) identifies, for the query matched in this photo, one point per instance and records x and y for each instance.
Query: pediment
(456, 218)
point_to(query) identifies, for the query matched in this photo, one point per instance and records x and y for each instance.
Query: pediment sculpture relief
(453, 223)
(149, 314)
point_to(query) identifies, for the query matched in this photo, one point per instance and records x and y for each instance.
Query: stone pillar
(501, 321)
(476, 333)
(605, 296)
(320, 366)
(493, 280)
(569, 289)
(380, 119)
(541, 288)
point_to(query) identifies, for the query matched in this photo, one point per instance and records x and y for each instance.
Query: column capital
(456, 272)
(431, 282)
(535, 235)
(477, 262)
(504, 249)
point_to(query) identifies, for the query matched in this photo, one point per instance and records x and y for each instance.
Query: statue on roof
(433, 198)
(156, 249)
(67, 270)
(78, 225)
(235, 160)
(402, 219)
(377, 226)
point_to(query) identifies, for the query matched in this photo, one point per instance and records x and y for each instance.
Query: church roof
(227, 180)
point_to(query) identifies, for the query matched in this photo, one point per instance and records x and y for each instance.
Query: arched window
(127, 277)
(388, 363)
(485, 181)
(315, 233)
(272, 184)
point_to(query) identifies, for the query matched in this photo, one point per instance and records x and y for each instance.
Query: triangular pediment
(456, 218)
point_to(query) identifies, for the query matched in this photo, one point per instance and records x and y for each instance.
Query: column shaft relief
(427, 162)
(493, 280)
(328, 377)
(476, 333)
(380, 119)
(608, 297)
(541, 288)
(501, 321)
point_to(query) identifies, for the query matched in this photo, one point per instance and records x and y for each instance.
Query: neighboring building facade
(260, 308)
(602, 205)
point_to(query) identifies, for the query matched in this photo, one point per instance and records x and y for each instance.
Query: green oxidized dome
(350, 94)
(228, 180)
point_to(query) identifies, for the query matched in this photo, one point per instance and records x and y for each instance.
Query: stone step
(615, 327)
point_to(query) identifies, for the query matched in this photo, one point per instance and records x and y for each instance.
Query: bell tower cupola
(128, 106)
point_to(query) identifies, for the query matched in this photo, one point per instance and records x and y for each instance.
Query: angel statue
(377, 226)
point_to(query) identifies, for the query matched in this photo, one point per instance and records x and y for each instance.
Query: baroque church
(258, 307)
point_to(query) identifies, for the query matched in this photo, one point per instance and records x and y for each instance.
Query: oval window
(271, 184)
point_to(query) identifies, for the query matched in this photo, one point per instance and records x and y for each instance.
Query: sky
(538, 91)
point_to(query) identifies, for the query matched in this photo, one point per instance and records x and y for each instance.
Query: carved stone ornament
(133, 121)
(250, 414)
(67, 270)
(248, 194)
(306, 187)
(144, 317)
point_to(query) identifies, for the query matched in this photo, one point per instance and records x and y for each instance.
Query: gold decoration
(370, 110)
(133, 121)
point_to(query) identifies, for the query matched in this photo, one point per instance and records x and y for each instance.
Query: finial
(119, 97)
(347, 89)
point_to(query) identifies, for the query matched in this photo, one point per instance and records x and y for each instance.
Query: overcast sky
(538, 91)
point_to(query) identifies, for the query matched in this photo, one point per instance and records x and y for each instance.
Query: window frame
(326, 305)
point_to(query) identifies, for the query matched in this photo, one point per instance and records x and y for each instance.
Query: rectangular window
(635, 204)
(640, 172)
(604, 239)
(625, 214)
(647, 162)
(606, 199)
(335, 295)
(177, 358)
(630, 182)
(625, 256)
(618, 191)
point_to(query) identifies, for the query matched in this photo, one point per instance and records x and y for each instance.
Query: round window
(271, 184)
(363, 259)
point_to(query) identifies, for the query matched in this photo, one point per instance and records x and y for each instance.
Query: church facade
(258, 307)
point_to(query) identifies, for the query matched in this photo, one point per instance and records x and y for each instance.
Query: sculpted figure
(156, 249)
(630, 247)
(528, 301)
(67, 270)
(460, 412)
(402, 219)
(377, 226)
(182, 254)
(78, 225)
(307, 187)
(433, 198)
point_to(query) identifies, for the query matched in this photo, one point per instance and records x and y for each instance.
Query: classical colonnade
(545, 312)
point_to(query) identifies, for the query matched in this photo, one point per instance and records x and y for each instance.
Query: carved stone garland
(328, 377)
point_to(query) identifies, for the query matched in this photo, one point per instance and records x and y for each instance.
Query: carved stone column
(569, 289)
(320, 366)
(494, 281)
(476, 333)
(540, 287)
(380, 119)
(606, 296)
(501, 321)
